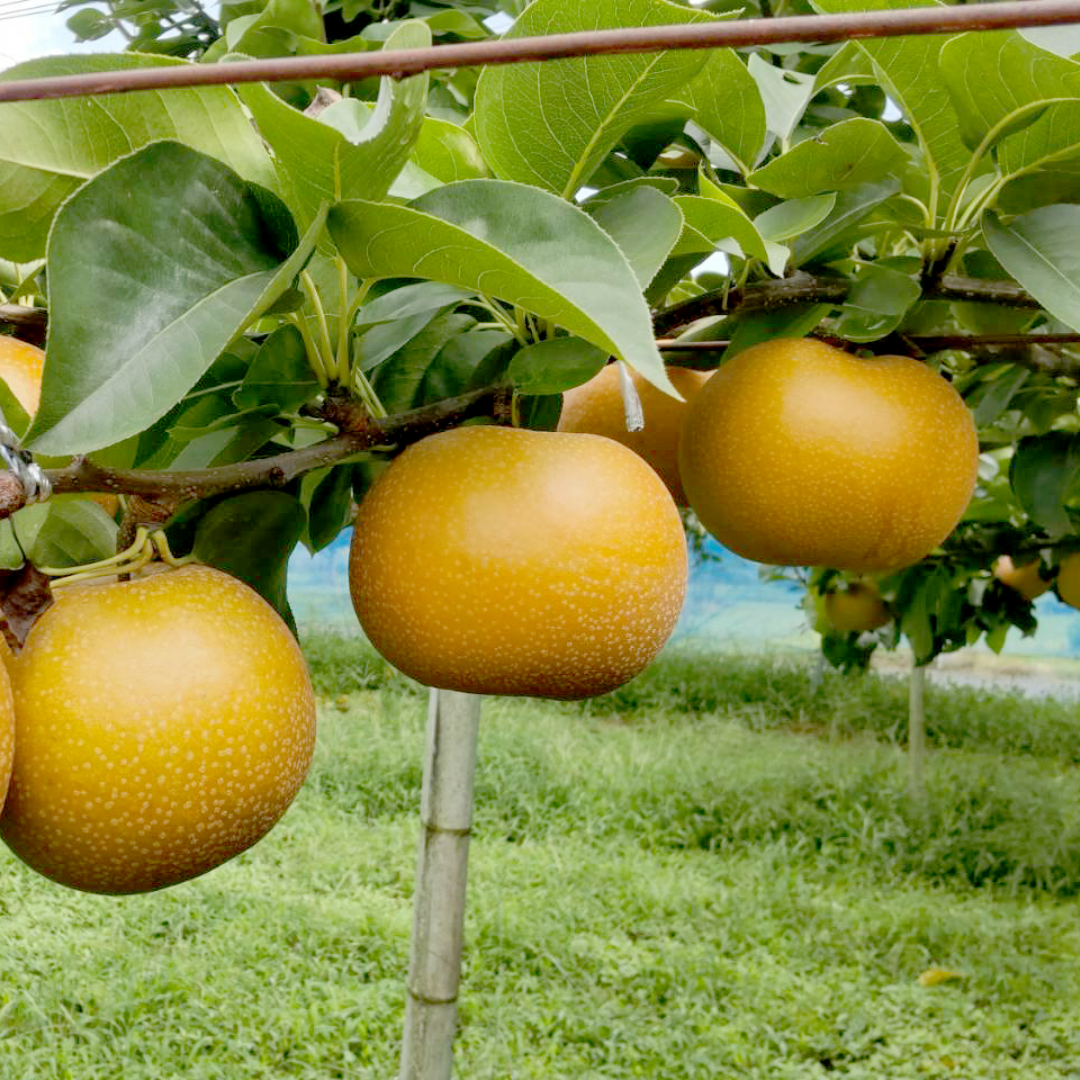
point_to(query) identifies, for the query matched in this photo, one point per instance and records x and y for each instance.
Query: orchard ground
(712, 872)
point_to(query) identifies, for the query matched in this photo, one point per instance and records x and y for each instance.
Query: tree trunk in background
(439, 904)
(917, 738)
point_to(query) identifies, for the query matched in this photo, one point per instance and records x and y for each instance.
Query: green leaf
(154, 266)
(711, 220)
(327, 495)
(550, 367)
(877, 303)
(784, 93)
(409, 300)
(350, 151)
(49, 148)
(1043, 472)
(724, 100)
(251, 537)
(403, 381)
(1041, 250)
(645, 224)
(280, 375)
(89, 25)
(727, 104)
(789, 220)
(848, 154)
(66, 531)
(851, 208)
(513, 242)
(12, 412)
(552, 124)
(998, 79)
(1053, 136)
(849, 65)
(254, 35)
(795, 321)
(995, 391)
(910, 71)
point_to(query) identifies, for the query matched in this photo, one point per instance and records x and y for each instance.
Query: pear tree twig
(359, 432)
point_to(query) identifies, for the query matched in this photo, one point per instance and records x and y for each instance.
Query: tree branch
(400, 63)
(30, 323)
(1026, 350)
(802, 288)
(361, 433)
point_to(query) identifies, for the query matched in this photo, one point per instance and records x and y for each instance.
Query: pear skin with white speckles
(162, 726)
(597, 407)
(503, 561)
(7, 731)
(796, 453)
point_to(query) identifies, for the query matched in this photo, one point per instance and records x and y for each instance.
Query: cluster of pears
(150, 729)
(517, 562)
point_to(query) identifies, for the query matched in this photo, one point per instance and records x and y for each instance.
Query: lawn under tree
(711, 873)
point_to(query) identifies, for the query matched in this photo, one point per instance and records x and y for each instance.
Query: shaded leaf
(877, 302)
(251, 537)
(280, 374)
(851, 208)
(1043, 472)
(550, 367)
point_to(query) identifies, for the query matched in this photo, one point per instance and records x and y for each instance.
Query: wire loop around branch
(21, 464)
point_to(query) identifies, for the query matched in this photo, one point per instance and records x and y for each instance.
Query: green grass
(711, 873)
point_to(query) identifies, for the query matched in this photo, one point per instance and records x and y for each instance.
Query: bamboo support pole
(439, 904)
(917, 737)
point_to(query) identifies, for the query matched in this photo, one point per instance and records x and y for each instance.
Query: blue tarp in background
(727, 605)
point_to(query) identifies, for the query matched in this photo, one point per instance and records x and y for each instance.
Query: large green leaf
(154, 266)
(848, 154)
(1041, 250)
(909, 69)
(552, 124)
(49, 148)
(513, 242)
(999, 79)
(350, 151)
